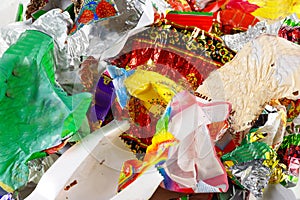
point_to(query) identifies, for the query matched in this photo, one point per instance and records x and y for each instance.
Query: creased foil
(55, 24)
(9, 34)
(237, 41)
(93, 40)
(253, 175)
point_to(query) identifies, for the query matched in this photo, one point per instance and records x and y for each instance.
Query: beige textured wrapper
(266, 68)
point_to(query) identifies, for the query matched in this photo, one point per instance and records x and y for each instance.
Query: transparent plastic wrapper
(187, 163)
(266, 62)
(36, 108)
(179, 54)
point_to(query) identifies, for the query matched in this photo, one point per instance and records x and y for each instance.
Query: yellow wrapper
(155, 90)
(275, 9)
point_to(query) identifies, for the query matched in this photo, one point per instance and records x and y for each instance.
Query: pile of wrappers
(209, 87)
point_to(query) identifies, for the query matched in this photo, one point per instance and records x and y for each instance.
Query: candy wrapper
(93, 11)
(206, 52)
(261, 63)
(290, 30)
(266, 9)
(201, 20)
(248, 166)
(269, 127)
(37, 106)
(232, 21)
(173, 151)
(167, 56)
(275, 10)
(239, 40)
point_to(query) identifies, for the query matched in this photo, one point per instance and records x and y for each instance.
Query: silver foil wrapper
(237, 41)
(54, 23)
(37, 168)
(10, 33)
(253, 175)
(93, 40)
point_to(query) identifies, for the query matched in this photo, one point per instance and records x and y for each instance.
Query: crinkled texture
(54, 23)
(239, 40)
(267, 62)
(182, 149)
(93, 11)
(37, 114)
(119, 76)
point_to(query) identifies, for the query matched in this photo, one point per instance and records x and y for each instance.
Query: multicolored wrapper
(175, 54)
(144, 95)
(93, 11)
(289, 153)
(42, 114)
(250, 166)
(290, 30)
(269, 127)
(193, 54)
(182, 150)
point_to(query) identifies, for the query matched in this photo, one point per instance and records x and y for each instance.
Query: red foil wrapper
(233, 20)
(185, 56)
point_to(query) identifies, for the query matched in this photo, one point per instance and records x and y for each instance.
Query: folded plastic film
(36, 103)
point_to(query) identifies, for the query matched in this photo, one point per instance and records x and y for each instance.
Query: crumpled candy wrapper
(239, 40)
(266, 62)
(187, 163)
(248, 166)
(253, 175)
(36, 112)
(290, 30)
(93, 11)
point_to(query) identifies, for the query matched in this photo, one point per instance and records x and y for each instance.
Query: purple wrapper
(104, 97)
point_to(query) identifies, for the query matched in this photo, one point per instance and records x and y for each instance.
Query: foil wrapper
(39, 166)
(55, 24)
(252, 175)
(93, 40)
(237, 41)
(10, 33)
